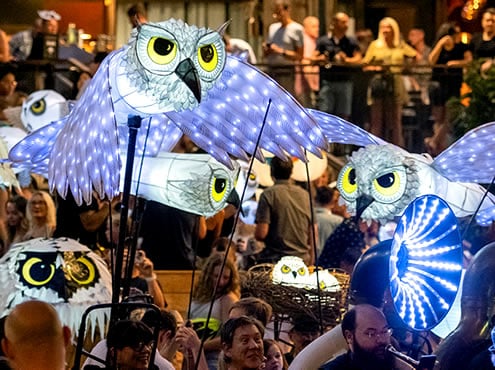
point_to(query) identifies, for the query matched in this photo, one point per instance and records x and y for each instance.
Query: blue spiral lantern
(425, 262)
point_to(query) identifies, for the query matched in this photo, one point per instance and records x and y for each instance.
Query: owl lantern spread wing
(173, 76)
(392, 178)
(59, 271)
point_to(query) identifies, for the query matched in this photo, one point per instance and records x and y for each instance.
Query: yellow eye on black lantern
(83, 271)
(161, 50)
(208, 57)
(38, 107)
(348, 181)
(218, 188)
(285, 269)
(37, 272)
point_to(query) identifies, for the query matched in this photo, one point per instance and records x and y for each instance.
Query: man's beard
(371, 361)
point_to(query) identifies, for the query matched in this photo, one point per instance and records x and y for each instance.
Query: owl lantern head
(378, 182)
(172, 57)
(292, 271)
(60, 271)
(42, 107)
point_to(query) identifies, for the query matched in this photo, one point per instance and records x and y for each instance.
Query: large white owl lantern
(178, 80)
(59, 271)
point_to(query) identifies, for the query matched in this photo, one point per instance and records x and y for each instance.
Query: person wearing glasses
(129, 345)
(367, 335)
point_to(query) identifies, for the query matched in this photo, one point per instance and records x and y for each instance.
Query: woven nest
(290, 303)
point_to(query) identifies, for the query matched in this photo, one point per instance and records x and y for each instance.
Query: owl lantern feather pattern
(178, 79)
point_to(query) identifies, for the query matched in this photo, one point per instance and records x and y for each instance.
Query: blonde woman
(386, 55)
(41, 215)
(227, 293)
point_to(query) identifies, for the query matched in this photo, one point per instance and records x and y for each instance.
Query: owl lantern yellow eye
(218, 188)
(285, 269)
(208, 57)
(301, 271)
(387, 184)
(38, 107)
(161, 50)
(37, 272)
(348, 181)
(389, 187)
(83, 271)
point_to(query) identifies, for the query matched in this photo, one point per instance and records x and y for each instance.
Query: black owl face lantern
(63, 272)
(59, 271)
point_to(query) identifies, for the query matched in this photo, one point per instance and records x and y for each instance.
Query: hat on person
(48, 15)
(492, 347)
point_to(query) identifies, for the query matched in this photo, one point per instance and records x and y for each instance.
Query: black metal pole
(133, 122)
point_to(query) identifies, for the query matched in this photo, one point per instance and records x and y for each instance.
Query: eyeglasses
(139, 347)
(374, 335)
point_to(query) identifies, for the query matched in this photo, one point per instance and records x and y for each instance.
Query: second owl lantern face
(172, 58)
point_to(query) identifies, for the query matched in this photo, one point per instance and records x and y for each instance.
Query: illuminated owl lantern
(392, 178)
(166, 66)
(291, 270)
(381, 179)
(176, 79)
(194, 183)
(42, 107)
(59, 271)
(327, 281)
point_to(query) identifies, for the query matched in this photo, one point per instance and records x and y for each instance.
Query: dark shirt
(330, 47)
(346, 362)
(342, 362)
(481, 48)
(346, 236)
(285, 208)
(169, 236)
(457, 53)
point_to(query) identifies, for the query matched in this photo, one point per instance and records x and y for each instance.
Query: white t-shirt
(239, 46)
(290, 37)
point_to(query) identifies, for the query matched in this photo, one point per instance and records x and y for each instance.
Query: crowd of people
(398, 68)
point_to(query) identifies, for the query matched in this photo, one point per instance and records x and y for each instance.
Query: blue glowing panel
(476, 148)
(485, 217)
(453, 317)
(338, 130)
(425, 262)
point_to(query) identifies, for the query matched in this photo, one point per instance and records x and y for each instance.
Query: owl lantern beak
(234, 199)
(362, 202)
(187, 73)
